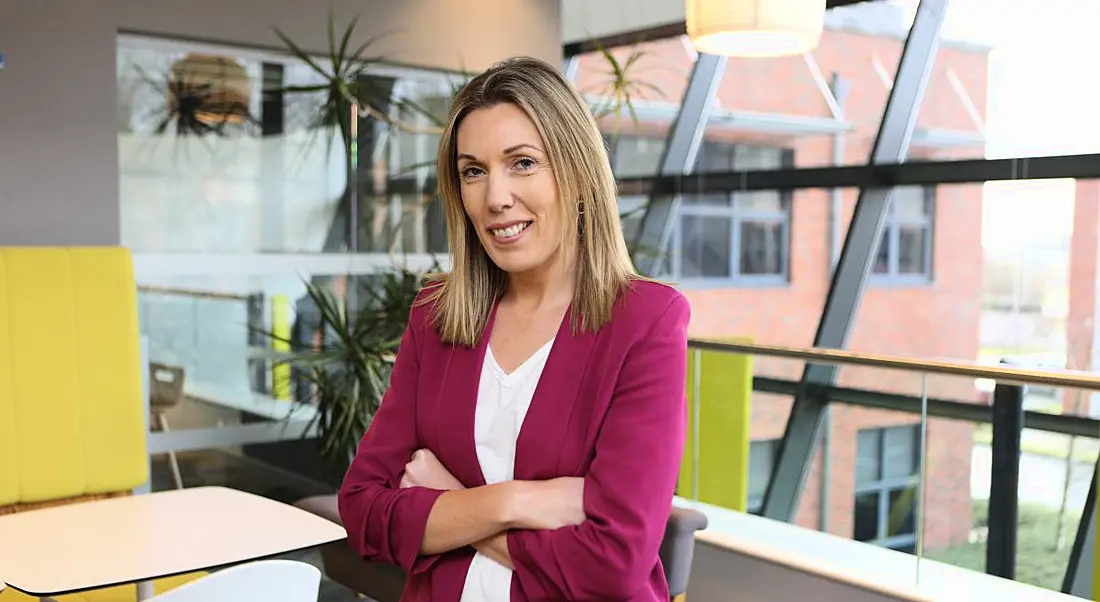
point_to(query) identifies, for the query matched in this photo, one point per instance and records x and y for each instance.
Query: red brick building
(924, 297)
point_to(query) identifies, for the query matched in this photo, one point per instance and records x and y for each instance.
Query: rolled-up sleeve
(630, 484)
(384, 522)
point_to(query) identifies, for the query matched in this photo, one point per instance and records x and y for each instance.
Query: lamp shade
(755, 28)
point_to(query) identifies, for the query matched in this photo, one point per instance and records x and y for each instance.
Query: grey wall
(58, 141)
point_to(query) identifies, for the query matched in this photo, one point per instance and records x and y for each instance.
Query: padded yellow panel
(121, 593)
(725, 418)
(71, 413)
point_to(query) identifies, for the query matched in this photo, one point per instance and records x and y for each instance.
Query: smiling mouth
(510, 231)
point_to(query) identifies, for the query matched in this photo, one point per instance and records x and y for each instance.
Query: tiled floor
(216, 467)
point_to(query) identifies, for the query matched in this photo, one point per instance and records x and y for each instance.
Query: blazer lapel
(458, 406)
(553, 402)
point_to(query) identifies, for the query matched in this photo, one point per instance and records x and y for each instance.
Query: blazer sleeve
(629, 488)
(384, 522)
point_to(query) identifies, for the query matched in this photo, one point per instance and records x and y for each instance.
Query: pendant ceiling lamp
(755, 28)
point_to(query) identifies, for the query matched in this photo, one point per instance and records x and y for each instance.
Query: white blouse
(502, 403)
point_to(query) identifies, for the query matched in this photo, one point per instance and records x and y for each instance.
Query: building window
(905, 252)
(761, 461)
(735, 238)
(887, 487)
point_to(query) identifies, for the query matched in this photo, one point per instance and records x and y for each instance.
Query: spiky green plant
(349, 372)
(621, 85)
(344, 90)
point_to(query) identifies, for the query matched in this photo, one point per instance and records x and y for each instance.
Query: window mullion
(735, 245)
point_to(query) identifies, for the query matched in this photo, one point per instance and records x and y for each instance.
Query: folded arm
(629, 487)
(408, 526)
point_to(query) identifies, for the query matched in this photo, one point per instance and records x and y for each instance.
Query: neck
(547, 285)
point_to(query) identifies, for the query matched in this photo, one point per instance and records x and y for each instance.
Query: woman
(529, 444)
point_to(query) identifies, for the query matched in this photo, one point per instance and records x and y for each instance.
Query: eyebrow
(507, 151)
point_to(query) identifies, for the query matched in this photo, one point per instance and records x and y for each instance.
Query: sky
(1043, 99)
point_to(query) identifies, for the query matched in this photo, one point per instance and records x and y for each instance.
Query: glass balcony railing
(940, 463)
(926, 463)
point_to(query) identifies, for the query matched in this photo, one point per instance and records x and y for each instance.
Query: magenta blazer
(610, 407)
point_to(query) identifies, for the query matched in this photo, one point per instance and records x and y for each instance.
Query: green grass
(1055, 448)
(1011, 351)
(1037, 561)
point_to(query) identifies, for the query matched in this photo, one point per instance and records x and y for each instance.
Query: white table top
(137, 538)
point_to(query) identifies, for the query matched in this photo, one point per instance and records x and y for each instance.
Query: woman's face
(508, 188)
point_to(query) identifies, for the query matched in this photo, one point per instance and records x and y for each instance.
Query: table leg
(144, 590)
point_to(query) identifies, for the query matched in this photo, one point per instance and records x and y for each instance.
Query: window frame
(883, 486)
(891, 236)
(736, 217)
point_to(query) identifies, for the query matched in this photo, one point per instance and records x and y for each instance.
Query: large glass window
(220, 152)
(235, 194)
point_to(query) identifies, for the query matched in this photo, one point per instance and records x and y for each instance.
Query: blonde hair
(464, 298)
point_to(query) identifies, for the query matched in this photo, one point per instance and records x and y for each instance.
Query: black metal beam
(678, 158)
(968, 171)
(1079, 573)
(796, 449)
(1075, 426)
(1004, 481)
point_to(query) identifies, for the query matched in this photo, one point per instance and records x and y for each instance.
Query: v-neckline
(519, 372)
(487, 339)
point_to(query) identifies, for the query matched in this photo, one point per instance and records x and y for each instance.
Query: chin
(515, 265)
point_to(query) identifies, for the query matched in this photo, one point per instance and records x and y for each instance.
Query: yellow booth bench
(72, 421)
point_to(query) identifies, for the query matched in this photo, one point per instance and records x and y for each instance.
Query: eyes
(521, 164)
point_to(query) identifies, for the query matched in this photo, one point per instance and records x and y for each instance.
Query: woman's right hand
(550, 504)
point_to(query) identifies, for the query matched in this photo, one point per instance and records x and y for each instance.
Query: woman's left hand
(425, 470)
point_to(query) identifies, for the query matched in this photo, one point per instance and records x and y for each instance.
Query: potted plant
(347, 372)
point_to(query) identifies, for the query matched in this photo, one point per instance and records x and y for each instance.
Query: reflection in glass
(219, 154)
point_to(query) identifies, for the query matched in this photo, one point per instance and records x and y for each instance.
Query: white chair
(282, 580)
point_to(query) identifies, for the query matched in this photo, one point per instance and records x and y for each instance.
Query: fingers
(423, 455)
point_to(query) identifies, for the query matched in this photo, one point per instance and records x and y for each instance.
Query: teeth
(510, 231)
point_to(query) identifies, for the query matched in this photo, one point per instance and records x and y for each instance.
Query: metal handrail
(1003, 374)
(183, 292)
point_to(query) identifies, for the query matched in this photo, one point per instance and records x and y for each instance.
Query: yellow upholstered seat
(72, 421)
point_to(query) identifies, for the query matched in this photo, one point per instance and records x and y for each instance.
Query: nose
(499, 193)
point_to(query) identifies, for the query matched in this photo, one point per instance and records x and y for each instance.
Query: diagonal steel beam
(799, 442)
(1078, 580)
(678, 158)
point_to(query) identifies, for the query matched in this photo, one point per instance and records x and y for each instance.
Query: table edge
(53, 593)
